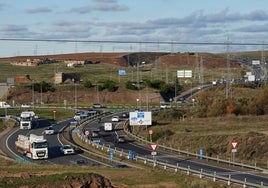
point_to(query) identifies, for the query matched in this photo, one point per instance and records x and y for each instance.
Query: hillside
(131, 59)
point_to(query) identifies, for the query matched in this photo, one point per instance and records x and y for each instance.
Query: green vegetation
(43, 113)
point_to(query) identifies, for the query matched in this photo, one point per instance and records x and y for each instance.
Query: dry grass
(215, 135)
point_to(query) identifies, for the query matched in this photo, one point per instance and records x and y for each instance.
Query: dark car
(80, 162)
(120, 139)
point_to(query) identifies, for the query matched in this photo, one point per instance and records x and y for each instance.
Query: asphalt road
(54, 155)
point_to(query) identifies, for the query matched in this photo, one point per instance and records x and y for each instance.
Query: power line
(131, 42)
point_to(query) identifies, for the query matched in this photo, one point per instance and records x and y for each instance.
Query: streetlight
(75, 98)
(33, 93)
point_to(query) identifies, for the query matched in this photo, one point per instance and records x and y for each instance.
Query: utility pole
(228, 78)
(263, 65)
(201, 79)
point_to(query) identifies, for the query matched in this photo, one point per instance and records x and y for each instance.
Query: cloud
(253, 28)
(2, 5)
(104, 5)
(38, 10)
(13, 28)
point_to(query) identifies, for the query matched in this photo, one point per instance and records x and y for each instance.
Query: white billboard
(187, 73)
(184, 73)
(140, 118)
(251, 78)
(180, 73)
(256, 62)
(248, 73)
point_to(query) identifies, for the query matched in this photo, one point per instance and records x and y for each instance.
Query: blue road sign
(131, 155)
(201, 153)
(140, 115)
(111, 155)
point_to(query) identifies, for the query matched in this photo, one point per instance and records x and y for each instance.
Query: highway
(108, 139)
(54, 155)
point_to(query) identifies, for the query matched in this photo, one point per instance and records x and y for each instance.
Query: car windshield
(66, 147)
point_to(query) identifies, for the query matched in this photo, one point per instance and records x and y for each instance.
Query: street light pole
(33, 92)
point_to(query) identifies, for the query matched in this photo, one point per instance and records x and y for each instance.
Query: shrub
(130, 85)
(88, 84)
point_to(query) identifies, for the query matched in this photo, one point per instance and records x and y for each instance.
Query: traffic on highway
(43, 143)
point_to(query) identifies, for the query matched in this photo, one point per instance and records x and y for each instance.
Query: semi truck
(27, 119)
(33, 146)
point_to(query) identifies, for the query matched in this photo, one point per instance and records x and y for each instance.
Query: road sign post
(201, 153)
(111, 156)
(131, 155)
(234, 150)
(150, 134)
(153, 153)
(54, 113)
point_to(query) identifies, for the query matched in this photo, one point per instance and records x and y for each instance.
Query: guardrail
(195, 155)
(226, 177)
(170, 167)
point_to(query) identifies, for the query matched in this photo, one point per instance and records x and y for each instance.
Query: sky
(73, 26)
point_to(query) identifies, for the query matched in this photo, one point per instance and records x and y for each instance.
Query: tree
(43, 87)
(88, 84)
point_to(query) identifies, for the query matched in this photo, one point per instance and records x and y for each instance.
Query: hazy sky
(140, 21)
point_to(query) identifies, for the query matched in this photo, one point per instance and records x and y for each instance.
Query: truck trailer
(33, 146)
(27, 119)
(4, 104)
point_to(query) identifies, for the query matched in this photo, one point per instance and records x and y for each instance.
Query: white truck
(27, 119)
(33, 146)
(108, 126)
(4, 104)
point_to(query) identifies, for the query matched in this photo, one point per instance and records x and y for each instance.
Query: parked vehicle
(27, 119)
(25, 106)
(66, 150)
(33, 146)
(4, 104)
(108, 126)
(165, 105)
(97, 105)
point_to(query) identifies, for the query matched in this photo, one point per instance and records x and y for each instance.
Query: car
(120, 139)
(73, 124)
(66, 150)
(97, 105)
(49, 130)
(164, 106)
(95, 133)
(80, 162)
(125, 115)
(25, 106)
(115, 119)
